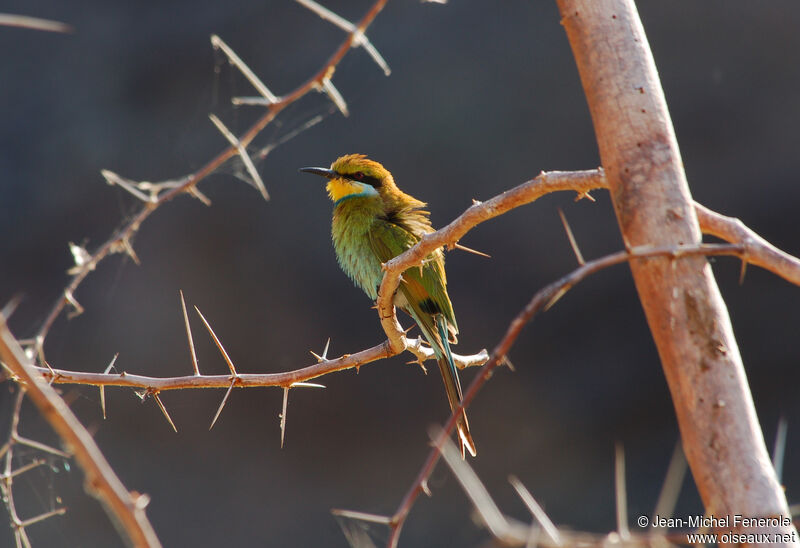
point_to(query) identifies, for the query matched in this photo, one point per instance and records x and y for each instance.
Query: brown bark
(686, 314)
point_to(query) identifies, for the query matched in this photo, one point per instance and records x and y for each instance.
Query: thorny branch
(120, 241)
(542, 300)
(126, 508)
(9, 473)
(755, 250)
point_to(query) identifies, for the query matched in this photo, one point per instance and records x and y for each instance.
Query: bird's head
(354, 175)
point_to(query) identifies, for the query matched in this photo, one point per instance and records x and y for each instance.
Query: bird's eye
(358, 175)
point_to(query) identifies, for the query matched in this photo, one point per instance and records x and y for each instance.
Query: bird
(373, 222)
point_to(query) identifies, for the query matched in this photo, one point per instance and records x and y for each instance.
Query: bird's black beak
(325, 172)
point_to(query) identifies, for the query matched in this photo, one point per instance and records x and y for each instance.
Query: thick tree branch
(685, 312)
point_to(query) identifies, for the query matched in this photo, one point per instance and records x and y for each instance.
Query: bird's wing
(424, 287)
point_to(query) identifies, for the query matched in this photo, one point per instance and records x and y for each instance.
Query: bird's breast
(354, 252)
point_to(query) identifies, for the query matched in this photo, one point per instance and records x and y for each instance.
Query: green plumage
(373, 222)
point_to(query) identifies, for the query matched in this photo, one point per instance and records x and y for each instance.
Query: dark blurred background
(480, 99)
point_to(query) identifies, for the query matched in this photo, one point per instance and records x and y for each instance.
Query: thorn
(248, 163)
(571, 237)
(126, 245)
(34, 23)
(42, 517)
(425, 488)
(335, 96)
(222, 404)
(234, 59)
(505, 361)
(536, 510)
(779, 449)
(140, 500)
(80, 256)
(621, 492)
(554, 299)
(362, 516)
(10, 307)
(52, 373)
(189, 335)
(470, 250)
(283, 413)
(327, 345)
(324, 356)
(102, 386)
(673, 481)
(22, 469)
(114, 179)
(77, 308)
(195, 192)
(742, 272)
(164, 410)
(40, 446)
(584, 194)
(476, 202)
(219, 344)
(306, 385)
(359, 39)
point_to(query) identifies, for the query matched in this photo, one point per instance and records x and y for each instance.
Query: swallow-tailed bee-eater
(373, 222)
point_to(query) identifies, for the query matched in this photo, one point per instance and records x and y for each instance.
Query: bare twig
(100, 478)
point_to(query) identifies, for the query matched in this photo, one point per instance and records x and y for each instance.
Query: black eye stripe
(368, 179)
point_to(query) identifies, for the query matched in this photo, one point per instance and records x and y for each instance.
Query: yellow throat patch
(341, 188)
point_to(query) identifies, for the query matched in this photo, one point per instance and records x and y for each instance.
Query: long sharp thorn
(335, 96)
(218, 343)
(40, 446)
(621, 492)
(217, 43)
(359, 39)
(103, 387)
(492, 516)
(470, 250)
(673, 481)
(779, 449)
(164, 410)
(571, 237)
(10, 306)
(33, 23)
(283, 413)
(362, 516)
(742, 272)
(536, 510)
(222, 404)
(325, 352)
(248, 163)
(42, 517)
(189, 336)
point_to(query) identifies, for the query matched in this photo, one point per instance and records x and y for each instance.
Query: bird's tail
(451, 385)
